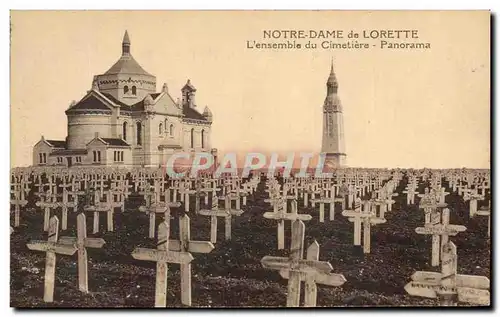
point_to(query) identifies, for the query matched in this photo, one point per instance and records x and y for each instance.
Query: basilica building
(124, 121)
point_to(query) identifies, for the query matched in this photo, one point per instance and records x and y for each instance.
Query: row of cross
(446, 285)
(168, 250)
(160, 196)
(104, 194)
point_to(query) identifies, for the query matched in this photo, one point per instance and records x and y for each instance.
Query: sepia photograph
(250, 159)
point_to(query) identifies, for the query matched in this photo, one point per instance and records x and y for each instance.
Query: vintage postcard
(250, 159)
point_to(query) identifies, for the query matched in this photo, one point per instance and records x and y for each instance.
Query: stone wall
(115, 84)
(82, 129)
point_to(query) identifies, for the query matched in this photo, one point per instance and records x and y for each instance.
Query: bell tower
(333, 143)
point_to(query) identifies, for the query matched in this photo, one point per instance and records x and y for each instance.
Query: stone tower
(333, 144)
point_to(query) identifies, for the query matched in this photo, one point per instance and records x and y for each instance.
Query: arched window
(125, 126)
(160, 128)
(125, 89)
(139, 133)
(134, 91)
(202, 139)
(192, 138)
(171, 130)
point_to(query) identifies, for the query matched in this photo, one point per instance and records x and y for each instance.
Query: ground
(231, 275)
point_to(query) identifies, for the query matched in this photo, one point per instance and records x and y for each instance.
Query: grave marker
(162, 256)
(440, 231)
(153, 209)
(51, 247)
(186, 245)
(365, 217)
(449, 286)
(47, 205)
(18, 202)
(281, 215)
(227, 213)
(295, 269)
(81, 243)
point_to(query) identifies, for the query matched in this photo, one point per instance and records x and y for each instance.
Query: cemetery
(111, 237)
(131, 203)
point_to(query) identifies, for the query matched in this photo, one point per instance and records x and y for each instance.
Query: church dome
(126, 64)
(126, 81)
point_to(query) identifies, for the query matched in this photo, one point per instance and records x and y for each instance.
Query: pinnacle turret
(126, 44)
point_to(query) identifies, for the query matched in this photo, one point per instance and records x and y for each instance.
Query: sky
(402, 108)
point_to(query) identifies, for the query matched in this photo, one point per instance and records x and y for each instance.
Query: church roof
(110, 142)
(114, 100)
(191, 113)
(57, 143)
(139, 106)
(90, 103)
(126, 64)
(115, 142)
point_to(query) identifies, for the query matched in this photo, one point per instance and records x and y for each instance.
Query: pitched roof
(92, 102)
(139, 106)
(191, 113)
(114, 100)
(89, 103)
(115, 142)
(57, 143)
(155, 95)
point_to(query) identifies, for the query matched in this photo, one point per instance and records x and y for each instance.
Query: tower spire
(332, 79)
(126, 44)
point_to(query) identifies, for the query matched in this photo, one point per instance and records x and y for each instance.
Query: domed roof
(127, 64)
